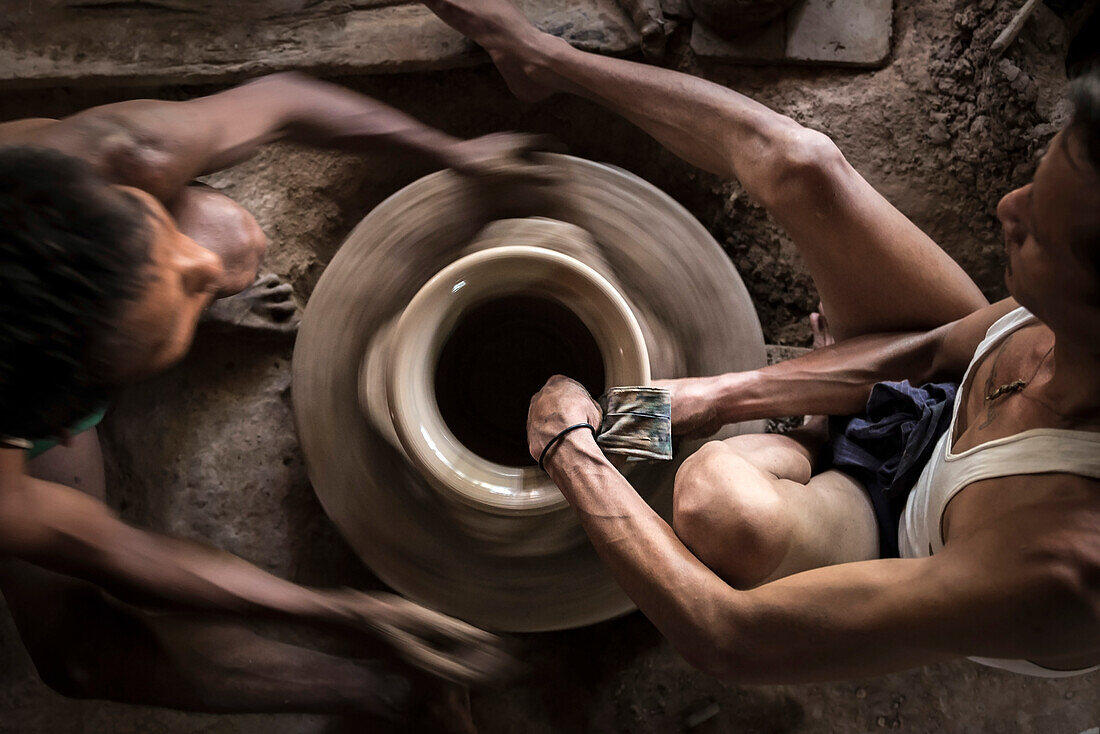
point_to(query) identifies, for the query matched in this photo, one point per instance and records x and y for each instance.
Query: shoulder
(17, 132)
(1043, 528)
(960, 341)
(123, 142)
(1029, 545)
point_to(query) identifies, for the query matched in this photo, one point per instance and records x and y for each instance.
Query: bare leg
(266, 306)
(875, 270)
(224, 227)
(221, 225)
(88, 645)
(750, 510)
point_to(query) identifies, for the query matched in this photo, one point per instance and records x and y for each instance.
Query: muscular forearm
(326, 115)
(835, 380)
(710, 126)
(161, 146)
(683, 598)
(66, 531)
(834, 622)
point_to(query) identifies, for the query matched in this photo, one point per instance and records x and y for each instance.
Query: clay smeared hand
(504, 157)
(694, 407)
(559, 404)
(433, 642)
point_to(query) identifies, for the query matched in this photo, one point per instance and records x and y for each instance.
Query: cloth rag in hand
(637, 422)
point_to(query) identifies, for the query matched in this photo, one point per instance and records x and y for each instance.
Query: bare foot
(819, 325)
(818, 425)
(504, 32)
(266, 306)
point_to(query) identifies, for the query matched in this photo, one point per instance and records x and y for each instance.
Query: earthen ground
(209, 451)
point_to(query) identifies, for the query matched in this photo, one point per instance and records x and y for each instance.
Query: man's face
(156, 329)
(1042, 222)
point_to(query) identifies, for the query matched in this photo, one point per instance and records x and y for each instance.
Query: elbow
(723, 660)
(806, 166)
(714, 661)
(713, 647)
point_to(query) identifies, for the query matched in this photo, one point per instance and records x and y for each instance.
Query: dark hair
(1084, 94)
(72, 251)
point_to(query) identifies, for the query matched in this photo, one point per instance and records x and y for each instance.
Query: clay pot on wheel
(448, 295)
(449, 382)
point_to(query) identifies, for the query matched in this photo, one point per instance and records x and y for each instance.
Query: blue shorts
(888, 445)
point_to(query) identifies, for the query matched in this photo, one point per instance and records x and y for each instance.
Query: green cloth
(90, 421)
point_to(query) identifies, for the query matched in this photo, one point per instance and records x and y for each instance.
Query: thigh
(81, 642)
(749, 508)
(827, 517)
(832, 521)
(874, 269)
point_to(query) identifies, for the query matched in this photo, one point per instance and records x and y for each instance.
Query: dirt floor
(209, 451)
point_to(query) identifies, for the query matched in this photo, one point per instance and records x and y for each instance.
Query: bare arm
(986, 595)
(835, 380)
(67, 531)
(160, 146)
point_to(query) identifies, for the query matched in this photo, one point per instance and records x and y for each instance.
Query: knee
(224, 227)
(244, 251)
(804, 164)
(729, 515)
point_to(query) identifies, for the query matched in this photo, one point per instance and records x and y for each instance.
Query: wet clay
(501, 571)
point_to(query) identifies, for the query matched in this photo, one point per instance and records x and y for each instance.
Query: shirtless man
(771, 573)
(109, 253)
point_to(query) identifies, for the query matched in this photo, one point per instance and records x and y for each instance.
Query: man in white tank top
(771, 573)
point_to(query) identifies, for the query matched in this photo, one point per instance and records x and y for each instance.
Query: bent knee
(727, 512)
(774, 454)
(226, 228)
(804, 163)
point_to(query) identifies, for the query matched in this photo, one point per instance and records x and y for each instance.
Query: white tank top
(1035, 451)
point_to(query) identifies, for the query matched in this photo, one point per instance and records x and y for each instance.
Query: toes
(272, 292)
(819, 327)
(266, 280)
(281, 311)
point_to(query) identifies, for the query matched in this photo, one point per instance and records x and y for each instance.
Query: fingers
(458, 658)
(526, 143)
(509, 156)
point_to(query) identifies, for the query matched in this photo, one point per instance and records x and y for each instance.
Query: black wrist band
(560, 436)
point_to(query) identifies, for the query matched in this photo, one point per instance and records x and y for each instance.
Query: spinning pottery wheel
(445, 309)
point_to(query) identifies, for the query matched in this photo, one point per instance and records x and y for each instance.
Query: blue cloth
(888, 446)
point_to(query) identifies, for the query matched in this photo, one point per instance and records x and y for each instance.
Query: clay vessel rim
(449, 467)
